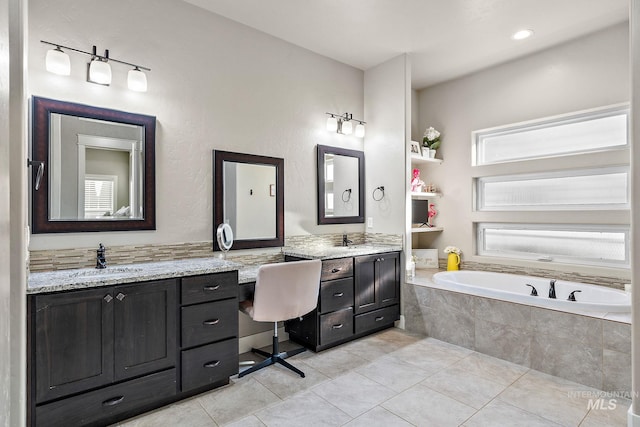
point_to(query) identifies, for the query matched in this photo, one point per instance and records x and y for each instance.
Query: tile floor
(389, 379)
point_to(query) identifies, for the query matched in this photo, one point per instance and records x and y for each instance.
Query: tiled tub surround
(594, 351)
(65, 259)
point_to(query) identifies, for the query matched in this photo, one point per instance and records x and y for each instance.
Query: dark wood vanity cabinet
(104, 354)
(358, 296)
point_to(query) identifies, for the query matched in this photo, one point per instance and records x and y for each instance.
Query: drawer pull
(113, 401)
(120, 296)
(211, 288)
(211, 364)
(211, 322)
(338, 294)
(379, 318)
(338, 326)
(335, 270)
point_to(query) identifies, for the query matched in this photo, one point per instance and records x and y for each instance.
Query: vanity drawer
(336, 326)
(336, 295)
(99, 406)
(205, 323)
(209, 364)
(337, 268)
(209, 287)
(377, 318)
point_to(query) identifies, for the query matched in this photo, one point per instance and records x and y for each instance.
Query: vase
(453, 262)
(432, 154)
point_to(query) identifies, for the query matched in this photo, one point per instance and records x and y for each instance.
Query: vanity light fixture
(522, 34)
(342, 123)
(99, 71)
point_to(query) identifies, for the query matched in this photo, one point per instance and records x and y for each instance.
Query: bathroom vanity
(359, 295)
(132, 340)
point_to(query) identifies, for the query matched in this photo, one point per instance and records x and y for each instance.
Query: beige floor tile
(186, 413)
(498, 413)
(284, 382)
(398, 338)
(550, 397)
(243, 397)
(608, 415)
(423, 406)
(370, 348)
(378, 416)
(492, 368)
(335, 362)
(393, 373)
(464, 387)
(353, 393)
(250, 421)
(305, 409)
(430, 354)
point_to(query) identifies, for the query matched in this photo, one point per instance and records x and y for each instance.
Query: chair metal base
(273, 358)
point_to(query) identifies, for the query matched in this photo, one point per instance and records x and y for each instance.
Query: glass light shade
(137, 80)
(332, 124)
(347, 128)
(100, 72)
(58, 62)
(360, 130)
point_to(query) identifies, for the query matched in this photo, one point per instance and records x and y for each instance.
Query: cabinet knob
(211, 288)
(212, 364)
(381, 259)
(211, 322)
(338, 326)
(108, 298)
(113, 401)
(338, 294)
(120, 296)
(335, 270)
(377, 259)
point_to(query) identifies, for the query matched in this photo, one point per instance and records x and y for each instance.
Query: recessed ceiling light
(522, 34)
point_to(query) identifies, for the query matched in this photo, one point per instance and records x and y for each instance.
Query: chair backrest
(286, 290)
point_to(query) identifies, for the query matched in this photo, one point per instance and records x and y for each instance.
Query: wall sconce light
(99, 70)
(343, 124)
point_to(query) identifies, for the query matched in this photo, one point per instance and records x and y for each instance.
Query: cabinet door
(145, 327)
(73, 342)
(389, 279)
(365, 297)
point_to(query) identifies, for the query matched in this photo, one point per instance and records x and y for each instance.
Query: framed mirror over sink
(99, 168)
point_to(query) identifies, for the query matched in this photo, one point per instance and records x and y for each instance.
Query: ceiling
(444, 38)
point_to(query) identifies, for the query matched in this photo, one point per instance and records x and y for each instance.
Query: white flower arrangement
(452, 250)
(431, 138)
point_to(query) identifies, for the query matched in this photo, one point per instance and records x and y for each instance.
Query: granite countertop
(64, 280)
(331, 252)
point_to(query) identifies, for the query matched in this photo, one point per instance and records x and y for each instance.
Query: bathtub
(513, 288)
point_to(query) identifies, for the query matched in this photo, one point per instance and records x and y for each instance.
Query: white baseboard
(633, 420)
(260, 340)
(399, 323)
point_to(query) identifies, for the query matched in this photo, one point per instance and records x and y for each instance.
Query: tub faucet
(534, 291)
(572, 295)
(552, 289)
(345, 240)
(101, 259)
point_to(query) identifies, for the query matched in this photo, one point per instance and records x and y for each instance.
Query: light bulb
(332, 124)
(347, 128)
(137, 80)
(100, 72)
(58, 62)
(360, 130)
(522, 34)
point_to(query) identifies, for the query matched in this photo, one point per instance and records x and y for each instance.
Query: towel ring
(381, 190)
(348, 191)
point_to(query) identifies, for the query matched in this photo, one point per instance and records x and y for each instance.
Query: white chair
(283, 291)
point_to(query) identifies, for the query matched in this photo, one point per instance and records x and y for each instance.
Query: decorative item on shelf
(431, 141)
(416, 182)
(425, 258)
(430, 188)
(453, 258)
(415, 147)
(431, 214)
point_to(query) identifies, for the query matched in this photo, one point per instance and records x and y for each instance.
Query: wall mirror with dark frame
(340, 185)
(99, 169)
(248, 194)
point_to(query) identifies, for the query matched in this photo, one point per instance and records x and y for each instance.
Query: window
(583, 228)
(99, 195)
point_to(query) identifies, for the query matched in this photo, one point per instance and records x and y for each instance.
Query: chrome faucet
(101, 259)
(345, 240)
(552, 289)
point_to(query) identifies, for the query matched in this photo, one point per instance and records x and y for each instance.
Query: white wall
(387, 104)
(585, 73)
(214, 84)
(255, 207)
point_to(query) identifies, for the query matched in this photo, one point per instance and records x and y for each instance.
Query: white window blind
(99, 195)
